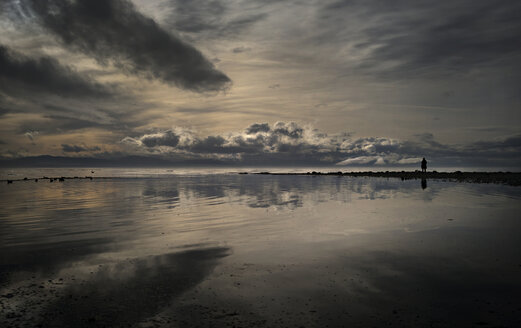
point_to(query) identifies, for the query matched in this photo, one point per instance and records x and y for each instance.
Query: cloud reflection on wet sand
(259, 251)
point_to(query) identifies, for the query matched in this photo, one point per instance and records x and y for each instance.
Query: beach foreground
(259, 251)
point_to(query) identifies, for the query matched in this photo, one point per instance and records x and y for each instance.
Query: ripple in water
(252, 250)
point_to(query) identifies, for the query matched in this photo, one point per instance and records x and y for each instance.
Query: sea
(209, 247)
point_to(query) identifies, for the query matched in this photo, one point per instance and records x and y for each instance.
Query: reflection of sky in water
(259, 250)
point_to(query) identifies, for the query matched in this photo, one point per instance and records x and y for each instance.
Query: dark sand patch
(122, 295)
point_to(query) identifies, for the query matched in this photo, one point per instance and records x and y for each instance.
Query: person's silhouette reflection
(424, 183)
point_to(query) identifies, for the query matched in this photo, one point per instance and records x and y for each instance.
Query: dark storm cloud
(201, 18)
(113, 31)
(20, 74)
(405, 36)
(78, 149)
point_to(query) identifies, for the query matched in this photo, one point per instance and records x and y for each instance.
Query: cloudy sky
(355, 82)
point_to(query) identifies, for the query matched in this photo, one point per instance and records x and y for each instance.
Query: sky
(297, 82)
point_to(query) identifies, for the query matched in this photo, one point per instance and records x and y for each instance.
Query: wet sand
(259, 251)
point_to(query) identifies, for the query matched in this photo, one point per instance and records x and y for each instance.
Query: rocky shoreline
(507, 178)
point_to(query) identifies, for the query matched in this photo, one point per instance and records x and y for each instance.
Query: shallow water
(256, 250)
(165, 172)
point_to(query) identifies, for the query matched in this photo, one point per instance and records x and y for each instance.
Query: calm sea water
(31, 173)
(211, 250)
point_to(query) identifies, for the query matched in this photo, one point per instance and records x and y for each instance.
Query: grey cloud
(4, 111)
(258, 127)
(196, 16)
(203, 110)
(167, 138)
(384, 151)
(19, 74)
(222, 145)
(512, 142)
(290, 143)
(238, 50)
(257, 138)
(291, 129)
(208, 144)
(78, 149)
(113, 31)
(258, 143)
(507, 150)
(238, 25)
(363, 160)
(17, 10)
(58, 122)
(414, 37)
(209, 19)
(31, 135)
(370, 146)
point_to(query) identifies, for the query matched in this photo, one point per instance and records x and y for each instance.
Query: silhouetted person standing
(424, 165)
